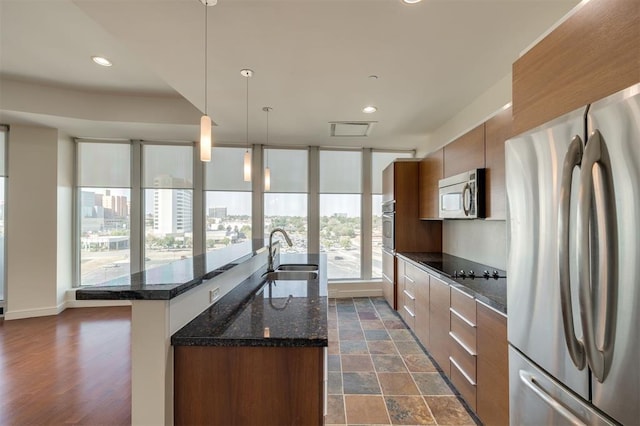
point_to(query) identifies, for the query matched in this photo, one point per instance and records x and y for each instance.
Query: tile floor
(379, 374)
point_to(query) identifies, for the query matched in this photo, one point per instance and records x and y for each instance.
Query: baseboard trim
(72, 304)
(30, 313)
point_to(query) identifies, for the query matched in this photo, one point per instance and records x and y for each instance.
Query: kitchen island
(163, 300)
(258, 355)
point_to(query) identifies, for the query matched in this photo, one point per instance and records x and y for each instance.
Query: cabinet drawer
(408, 312)
(465, 385)
(463, 356)
(463, 330)
(412, 272)
(463, 304)
(409, 287)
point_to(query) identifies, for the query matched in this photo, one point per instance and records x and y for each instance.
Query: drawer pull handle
(408, 278)
(409, 295)
(387, 278)
(459, 315)
(408, 311)
(466, 376)
(462, 344)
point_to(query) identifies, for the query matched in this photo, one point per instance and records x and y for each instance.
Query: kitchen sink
(291, 275)
(298, 267)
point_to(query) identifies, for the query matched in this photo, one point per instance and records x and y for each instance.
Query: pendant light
(267, 170)
(247, 73)
(205, 120)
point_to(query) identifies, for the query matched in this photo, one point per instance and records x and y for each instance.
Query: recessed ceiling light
(101, 61)
(369, 109)
(411, 1)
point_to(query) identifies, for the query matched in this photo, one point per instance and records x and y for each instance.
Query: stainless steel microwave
(462, 196)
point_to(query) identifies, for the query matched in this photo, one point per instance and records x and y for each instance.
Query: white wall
(477, 240)
(64, 277)
(32, 222)
(482, 241)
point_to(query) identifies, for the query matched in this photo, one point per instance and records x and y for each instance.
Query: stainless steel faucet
(270, 258)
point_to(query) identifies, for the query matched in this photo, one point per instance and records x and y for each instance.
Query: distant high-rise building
(172, 207)
(218, 212)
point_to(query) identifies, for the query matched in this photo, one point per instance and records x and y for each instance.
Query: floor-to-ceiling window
(228, 199)
(379, 160)
(285, 204)
(104, 195)
(3, 183)
(340, 190)
(167, 182)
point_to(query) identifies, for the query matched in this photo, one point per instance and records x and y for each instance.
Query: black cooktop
(460, 269)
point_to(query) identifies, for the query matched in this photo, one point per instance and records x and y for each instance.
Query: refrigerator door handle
(597, 219)
(572, 159)
(530, 381)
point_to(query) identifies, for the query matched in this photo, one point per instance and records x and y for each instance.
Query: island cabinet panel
(497, 131)
(439, 304)
(431, 171)
(465, 153)
(493, 367)
(248, 385)
(594, 53)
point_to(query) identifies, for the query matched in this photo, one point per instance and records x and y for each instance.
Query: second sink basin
(298, 267)
(296, 275)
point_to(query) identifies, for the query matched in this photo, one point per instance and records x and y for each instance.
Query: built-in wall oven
(388, 225)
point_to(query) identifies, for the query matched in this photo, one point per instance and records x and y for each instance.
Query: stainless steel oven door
(388, 231)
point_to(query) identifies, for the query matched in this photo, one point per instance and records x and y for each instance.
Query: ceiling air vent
(350, 128)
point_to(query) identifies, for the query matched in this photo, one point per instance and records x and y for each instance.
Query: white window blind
(225, 170)
(167, 166)
(289, 169)
(341, 172)
(106, 165)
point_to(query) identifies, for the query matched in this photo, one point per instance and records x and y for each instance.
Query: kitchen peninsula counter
(293, 313)
(490, 291)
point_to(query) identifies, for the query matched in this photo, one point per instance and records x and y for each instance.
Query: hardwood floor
(73, 368)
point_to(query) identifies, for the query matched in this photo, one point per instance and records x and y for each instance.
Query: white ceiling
(311, 59)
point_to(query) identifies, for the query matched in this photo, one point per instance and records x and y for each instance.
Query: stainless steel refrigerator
(573, 189)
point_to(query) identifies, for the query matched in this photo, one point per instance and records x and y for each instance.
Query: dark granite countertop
(295, 312)
(168, 281)
(490, 291)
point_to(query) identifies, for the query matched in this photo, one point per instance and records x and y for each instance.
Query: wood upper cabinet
(497, 131)
(400, 183)
(594, 53)
(431, 171)
(493, 367)
(465, 153)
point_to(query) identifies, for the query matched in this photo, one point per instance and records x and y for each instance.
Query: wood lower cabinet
(462, 332)
(248, 385)
(431, 171)
(439, 321)
(422, 308)
(389, 278)
(493, 367)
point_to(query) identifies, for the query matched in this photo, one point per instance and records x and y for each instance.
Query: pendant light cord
(206, 38)
(247, 129)
(268, 108)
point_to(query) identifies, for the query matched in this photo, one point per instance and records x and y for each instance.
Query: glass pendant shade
(247, 166)
(205, 138)
(267, 179)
